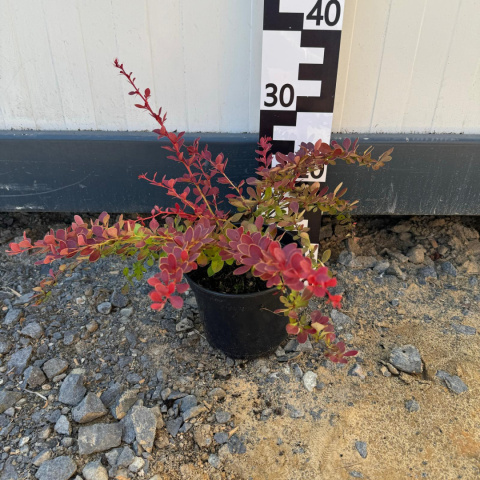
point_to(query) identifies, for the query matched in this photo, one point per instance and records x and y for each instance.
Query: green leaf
(217, 265)
(126, 271)
(150, 262)
(210, 272)
(230, 261)
(236, 217)
(326, 256)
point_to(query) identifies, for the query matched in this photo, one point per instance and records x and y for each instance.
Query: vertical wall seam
(17, 46)
(348, 68)
(417, 46)
(381, 64)
(249, 126)
(447, 57)
(53, 66)
(182, 29)
(87, 68)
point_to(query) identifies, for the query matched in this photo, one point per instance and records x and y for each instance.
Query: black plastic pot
(241, 326)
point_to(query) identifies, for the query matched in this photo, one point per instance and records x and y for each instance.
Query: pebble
(123, 404)
(202, 434)
(427, 272)
(89, 409)
(34, 377)
(193, 412)
(236, 446)
(453, 382)
(341, 321)
(214, 461)
(104, 308)
(111, 394)
(184, 325)
(464, 329)
(355, 474)
(95, 471)
(381, 267)
(126, 312)
(92, 326)
(12, 316)
(124, 459)
(70, 337)
(361, 448)
(448, 268)
(187, 402)
(54, 367)
(407, 359)
(217, 393)
(5, 346)
(24, 298)
(63, 426)
(416, 254)
(357, 371)
(19, 360)
(137, 464)
(118, 299)
(32, 330)
(72, 390)
(173, 426)
(145, 426)
(99, 437)
(222, 417)
(310, 380)
(412, 406)
(221, 437)
(42, 457)
(346, 258)
(60, 468)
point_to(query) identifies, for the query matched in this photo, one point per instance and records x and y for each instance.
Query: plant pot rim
(229, 295)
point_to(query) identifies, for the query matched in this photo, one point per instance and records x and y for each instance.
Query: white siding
(405, 65)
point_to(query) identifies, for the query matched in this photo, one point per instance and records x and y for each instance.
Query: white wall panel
(405, 65)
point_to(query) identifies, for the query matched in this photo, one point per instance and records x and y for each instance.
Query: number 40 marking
(316, 13)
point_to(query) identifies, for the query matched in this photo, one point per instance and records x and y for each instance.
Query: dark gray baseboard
(96, 171)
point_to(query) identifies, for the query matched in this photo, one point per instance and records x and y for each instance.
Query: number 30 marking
(273, 95)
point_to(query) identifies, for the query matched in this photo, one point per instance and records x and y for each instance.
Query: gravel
(407, 359)
(89, 409)
(361, 448)
(184, 409)
(60, 468)
(72, 389)
(454, 383)
(99, 437)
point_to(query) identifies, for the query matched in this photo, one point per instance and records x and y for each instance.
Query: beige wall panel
(458, 97)
(15, 103)
(405, 65)
(360, 65)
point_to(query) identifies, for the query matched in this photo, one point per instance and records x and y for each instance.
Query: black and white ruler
(301, 46)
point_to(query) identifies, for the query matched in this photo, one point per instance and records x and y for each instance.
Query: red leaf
(302, 337)
(147, 92)
(94, 256)
(157, 306)
(177, 302)
(78, 220)
(292, 329)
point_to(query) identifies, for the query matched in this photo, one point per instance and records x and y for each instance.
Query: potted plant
(251, 256)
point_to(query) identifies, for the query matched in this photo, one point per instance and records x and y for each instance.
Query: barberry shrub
(199, 230)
